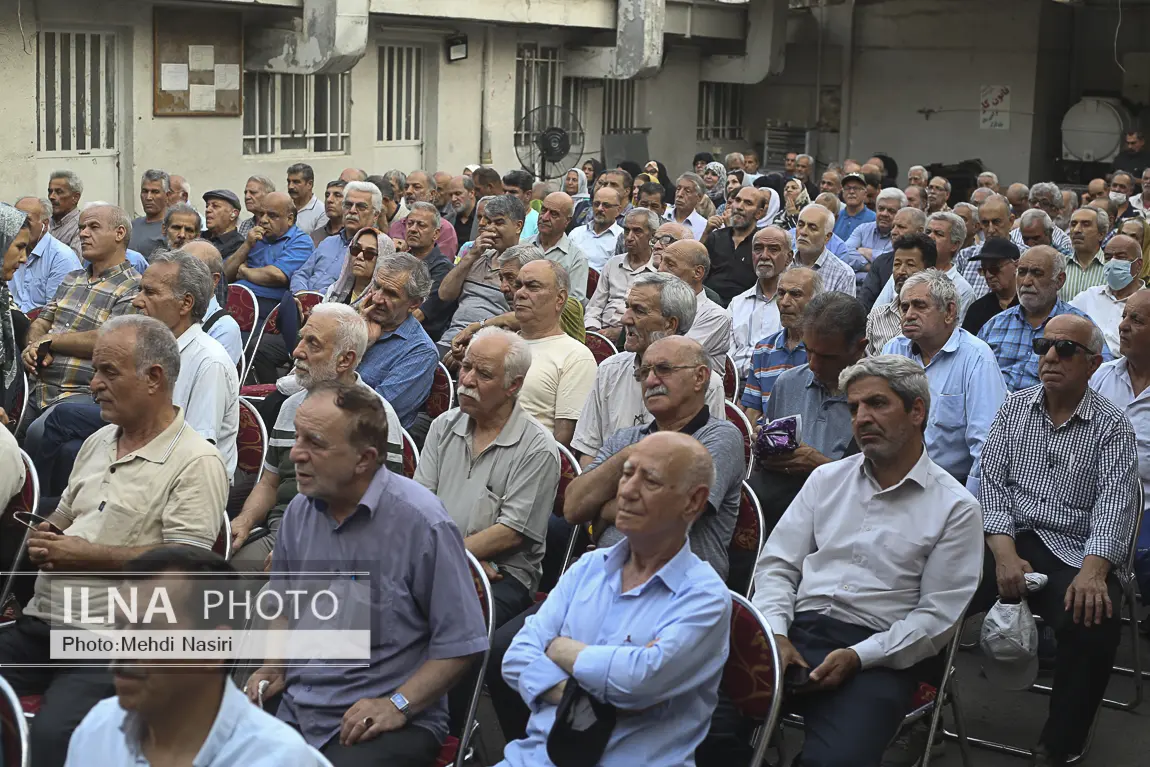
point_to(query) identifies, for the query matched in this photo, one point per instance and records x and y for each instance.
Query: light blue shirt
(530, 225)
(133, 257)
(323, 266)
(846, 224)
(225, 330)
(242, 734)
(35, 282)
(400, 366)
(966, 391)
(835, 244)
(865, 236)
(656, 651)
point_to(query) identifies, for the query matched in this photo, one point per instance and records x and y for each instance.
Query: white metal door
(401, 106)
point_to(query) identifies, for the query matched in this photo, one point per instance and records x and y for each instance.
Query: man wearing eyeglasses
(1058, 486)
(996, 262)
(597, 237)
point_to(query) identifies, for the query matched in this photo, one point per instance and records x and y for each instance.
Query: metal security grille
(296, 113)
(720, 112)
(575, 102)
(76, 91)
(400, 104)
(538, 75)
(619, 106)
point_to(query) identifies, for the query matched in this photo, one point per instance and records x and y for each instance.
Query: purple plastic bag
(779, 437)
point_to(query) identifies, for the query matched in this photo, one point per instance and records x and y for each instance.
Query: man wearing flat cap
(221, 214)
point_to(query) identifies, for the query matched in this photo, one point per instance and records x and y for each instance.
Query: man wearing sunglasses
(1041, 272)
(996, 261)
(1058, 486)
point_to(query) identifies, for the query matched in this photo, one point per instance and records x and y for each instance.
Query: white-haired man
(606, 307)
(948, 231)
(688, 260)
(689, 190)
(813, 230)
(872, 239)
(918, 176)
(361, 204)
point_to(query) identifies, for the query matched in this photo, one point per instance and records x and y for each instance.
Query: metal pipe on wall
(848, 83)
(487, 97)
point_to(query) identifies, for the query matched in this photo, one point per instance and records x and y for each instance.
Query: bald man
(671, 231)
(1058, 488)
(352, 174)
(995, 219)
(442, 199)
(274, 248)
(1019, 196)
(554, 216)
(688, 260)
(1105, 304)
(218, 323)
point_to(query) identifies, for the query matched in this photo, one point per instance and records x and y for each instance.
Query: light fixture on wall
(457, 48)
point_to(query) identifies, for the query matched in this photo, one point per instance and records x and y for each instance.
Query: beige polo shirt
(561, 375)
(171, 490)
(512, 483)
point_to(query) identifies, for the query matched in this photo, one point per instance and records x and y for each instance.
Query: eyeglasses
(601, 204)
(367, 253)
(666, 239)
(661, 370)
(362, 207)
(1064, 347)
(991, 268)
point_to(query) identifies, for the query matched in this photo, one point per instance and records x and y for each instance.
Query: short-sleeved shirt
(83, 303)
(732, 270)
(598, 248)
(147, 236)
(35, 282)
(710, 536)
(286, 253)
(208, 388)
(171, 490)
(511, 483)
(282, 438)
(826, 417)
(311, 216)
(770, 360)
(424, 606)
(845, 224)
(616, 402)
(400, 366)
(481, 297)
(227, 243)
(561, 375)
(607, 304)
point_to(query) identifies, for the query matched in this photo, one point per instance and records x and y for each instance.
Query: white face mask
(1117, 198)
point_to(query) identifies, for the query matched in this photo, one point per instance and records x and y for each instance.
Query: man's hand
(716, 222)
(374, 329)
(368, 718)
(50, 551)
(241, 529)
(563, 651)
(272, 675)
(268, 562)
(255, 234)
(29, 357)
(866, 253)
(838, 667)
(554, 696)
(400, 245)
(789, 654)
(1088, 596)
(1010, 572)
(483, 243)
(491, 573)
(803, 460)
(462, 339)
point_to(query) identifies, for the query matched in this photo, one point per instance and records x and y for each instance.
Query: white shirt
(695, 222)
(606, 307)
(208, 389)
(712, 329)
(561, 375)
(754, 317)
(311, 216)
(1112, 381)
(903, 562)
(616, 402)
(966, 295)
(11, 482)
(598, 248)
(1101, 305)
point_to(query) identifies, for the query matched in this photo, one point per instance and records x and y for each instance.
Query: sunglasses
(990, 268)
(367, 253)
(1063, 347)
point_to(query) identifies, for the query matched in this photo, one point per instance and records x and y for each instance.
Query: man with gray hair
(180, 190)
(140, 481)
(423, 224)
(254, 191)
(182, 224)
(814, 229)
(689, 190)
(605, 309)
(148, 229)
(658, 305)
(64, 191)
(948, 231)
(359, 206)
(1047, 199)
(938, 195)
(689, 262)
(1087, 268)
(491, 449)
(218, 323)
(49, 261)
(910, 558)
(918, 176)
(872, 239)
(421, 187)
(987, 180)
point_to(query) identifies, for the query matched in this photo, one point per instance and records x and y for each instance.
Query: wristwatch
(400, 702)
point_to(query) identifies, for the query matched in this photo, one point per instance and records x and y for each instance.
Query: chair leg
(959, 726)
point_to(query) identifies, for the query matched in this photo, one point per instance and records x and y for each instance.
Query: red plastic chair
(592, 281)
(750, 528)
(308, 299)
(739, 419)
(243, 307)
(410, 456)
(600, 346)
(13, 728)
(753, 674)
(442, 396)
(258, 391)
(731, 380)
(251, 441)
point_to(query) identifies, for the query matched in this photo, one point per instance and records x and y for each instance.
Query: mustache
(467, 391)
(655, 391)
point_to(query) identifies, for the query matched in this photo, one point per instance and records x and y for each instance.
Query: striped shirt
(1079, 279)
(836, 274)
(969, 269)
(770, 358)
(1058, 238)
(882, 324)
(82, 303)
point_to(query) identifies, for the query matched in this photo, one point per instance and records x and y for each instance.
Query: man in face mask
(1121, 187)
(1105, 303)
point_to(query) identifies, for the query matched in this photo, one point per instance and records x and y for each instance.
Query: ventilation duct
(638, 50)
(332, 39)
(766, 47)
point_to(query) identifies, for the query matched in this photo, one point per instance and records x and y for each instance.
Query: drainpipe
(766, 47)
(848, 83)
(486, 98)
(332, 40)
(638, 50)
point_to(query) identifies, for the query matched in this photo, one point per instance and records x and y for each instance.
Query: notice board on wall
(197, 62)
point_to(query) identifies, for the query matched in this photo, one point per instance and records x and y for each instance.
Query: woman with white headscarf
(575, 185)
(14, 238)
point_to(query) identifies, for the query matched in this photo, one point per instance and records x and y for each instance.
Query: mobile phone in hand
(795, 677)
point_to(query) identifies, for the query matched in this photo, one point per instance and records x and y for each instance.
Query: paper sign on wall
(202, 98)
(174, 77)
(227, 77)
(994, 108)
(201, 58)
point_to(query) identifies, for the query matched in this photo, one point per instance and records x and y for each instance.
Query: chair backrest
(750, 525)
(19, 403)
(243, 307)
(568, 470)
(223, 544)
(271, 326)
(740, 420)
(731, 380)
(487, 602)
(308, 299)
(13, 728)
(410, 455)
(600, 346)
(592, 281)
(753, 674)
(252, 440)
(442, 396)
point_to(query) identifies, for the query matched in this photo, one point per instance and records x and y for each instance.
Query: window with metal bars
(399, 116)
(619, 106)
(284, 113)
(538, 79)
(720, 112)
(76, 91)
(575, 102)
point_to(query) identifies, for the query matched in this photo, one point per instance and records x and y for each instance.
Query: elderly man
(596, 239)
(421, 187)
(1019, 196)
(782, 350)
(147, 230)
(729, 248)
(309, 209)
(909, 558)
(359, 204)
(491, 449)
(61, 339)
(855, 211)
(426, 632)
(755, 311)
(331, 345)
(689, 262)
(423, 223)
(1041, 271)
(907, 221)
(221, 215)
(218, 323)
(1034, 228)
(689, 190)
(49, 260)
(831, 183)
(272, 252)
(988, 180)
(333, 212)
(916, 197)
(443, 196)
(1121, 189)
(256, 188)
(1095, 190)
(607, 304)
(141, 481)
(870, 240)
(812, 232)
(937, 195)
(668, 233)
(917, 175)
(182, 224)
(948, 231)
(1087, 268)
(64, 191)
(994, 220)
(658, 305)
(1048, 198)
(461, 196)
(966, 387)
(1058, 485)
(996, 259)
(662, 494)
(180, 190)
(552, 238)
(1104, 304)
(1141, 201)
